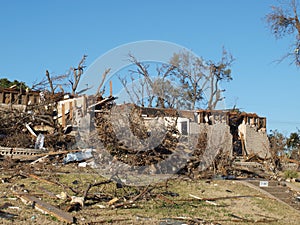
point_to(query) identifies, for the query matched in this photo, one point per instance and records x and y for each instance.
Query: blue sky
(39, 35)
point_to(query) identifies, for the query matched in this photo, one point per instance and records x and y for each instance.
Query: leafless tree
(284, 21)
(143, 84)
(50, 83)
(138, 88)
(105, 73)
(132, 90)
(77, 73)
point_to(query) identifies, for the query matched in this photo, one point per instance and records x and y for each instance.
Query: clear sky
(39, 35)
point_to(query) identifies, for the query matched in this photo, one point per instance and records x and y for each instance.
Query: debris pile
(25, 127)
(126, 136)
(200, 143)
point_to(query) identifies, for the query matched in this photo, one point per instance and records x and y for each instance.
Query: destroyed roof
(228, 111)
(191, 113)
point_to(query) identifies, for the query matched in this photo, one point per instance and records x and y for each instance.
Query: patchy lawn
(175, 201)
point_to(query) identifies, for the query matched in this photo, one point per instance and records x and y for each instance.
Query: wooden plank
(30, 130)
(84, 105)
(1, 97)
(71, 110)
(63, 116)
(243, 146)
(47, 208)
(110, 88)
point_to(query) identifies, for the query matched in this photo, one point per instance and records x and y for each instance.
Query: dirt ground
(173, 201)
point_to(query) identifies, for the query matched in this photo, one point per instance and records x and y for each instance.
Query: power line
(284, 122)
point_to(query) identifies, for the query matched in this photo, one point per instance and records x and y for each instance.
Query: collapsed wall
(219, 140)
(256, 142)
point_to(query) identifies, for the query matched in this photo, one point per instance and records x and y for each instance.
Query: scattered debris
(39, 144)
(78, 156)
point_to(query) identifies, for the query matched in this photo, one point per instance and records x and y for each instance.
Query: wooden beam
(63, 115)
(110, 88)
(71, 110)
(84, 105)
(1, 97)
(243, 146)
(46, 208)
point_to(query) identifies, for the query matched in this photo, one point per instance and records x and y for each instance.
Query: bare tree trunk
(77, 73)
(102, 81)
(50, 82)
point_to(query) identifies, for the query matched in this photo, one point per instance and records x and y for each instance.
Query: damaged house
(245, 133)
(18, 98)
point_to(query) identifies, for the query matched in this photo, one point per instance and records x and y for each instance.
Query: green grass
(290, 174)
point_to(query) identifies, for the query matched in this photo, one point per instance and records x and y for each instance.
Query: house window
(184, 128)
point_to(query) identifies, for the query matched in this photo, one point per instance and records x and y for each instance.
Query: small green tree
(277, 143)
(293, 144)
(5, 83)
